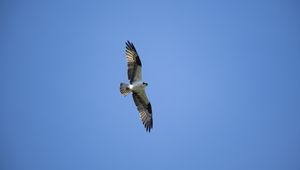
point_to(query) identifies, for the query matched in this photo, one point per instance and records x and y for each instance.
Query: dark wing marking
(133, 62)
(144, 108)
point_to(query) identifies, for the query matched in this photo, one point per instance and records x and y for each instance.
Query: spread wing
(134, 63)
(144, 108)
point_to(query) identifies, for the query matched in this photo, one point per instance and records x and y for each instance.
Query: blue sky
(223, 82)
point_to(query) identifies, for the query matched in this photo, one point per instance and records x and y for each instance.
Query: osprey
(137, 86)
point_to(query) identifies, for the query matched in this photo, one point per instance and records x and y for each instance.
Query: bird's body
(137, 86)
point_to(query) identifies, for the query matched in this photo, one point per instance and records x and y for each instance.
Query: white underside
(137, 86)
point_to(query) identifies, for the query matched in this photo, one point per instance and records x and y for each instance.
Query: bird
(136, 86)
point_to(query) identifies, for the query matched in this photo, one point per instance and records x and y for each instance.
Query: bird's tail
(124, 89)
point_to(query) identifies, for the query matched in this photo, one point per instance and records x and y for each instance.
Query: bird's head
(145, 84)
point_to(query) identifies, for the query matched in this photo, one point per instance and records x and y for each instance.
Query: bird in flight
(137, 86)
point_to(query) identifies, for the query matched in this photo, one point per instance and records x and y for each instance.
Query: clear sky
(223, 82)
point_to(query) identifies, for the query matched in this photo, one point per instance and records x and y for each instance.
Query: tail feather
(124, 89)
